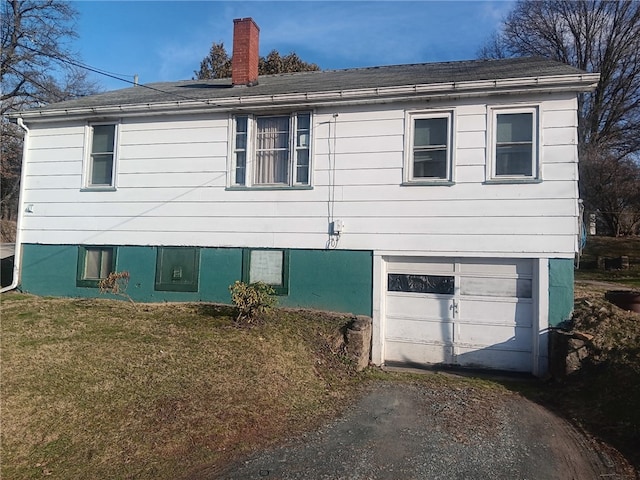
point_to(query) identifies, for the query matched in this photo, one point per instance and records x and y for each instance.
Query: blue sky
(166, 40)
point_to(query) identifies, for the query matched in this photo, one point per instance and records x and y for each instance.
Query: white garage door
(465, 312)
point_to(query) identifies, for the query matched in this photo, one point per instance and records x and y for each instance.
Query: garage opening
(460, 312)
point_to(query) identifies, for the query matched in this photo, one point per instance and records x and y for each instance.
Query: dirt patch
(603, 395)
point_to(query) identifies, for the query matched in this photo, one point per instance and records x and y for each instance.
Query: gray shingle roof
(326, 81)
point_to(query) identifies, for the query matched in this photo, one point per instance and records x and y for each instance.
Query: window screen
(177, 269)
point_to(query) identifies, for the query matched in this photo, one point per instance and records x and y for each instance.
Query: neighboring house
(440, 199)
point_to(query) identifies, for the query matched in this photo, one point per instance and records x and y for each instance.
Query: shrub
(251, 299)
(116, 283)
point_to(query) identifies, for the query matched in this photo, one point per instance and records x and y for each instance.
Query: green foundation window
(177, 269)
(94, 264)
(268, 266)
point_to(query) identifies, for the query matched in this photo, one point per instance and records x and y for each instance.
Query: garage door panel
(418, 306)
(497, 359)
(419, 330)
(496, 287)
(504, 313)
(420, 353)
(419, 265)
(490, 266)
(495, 337)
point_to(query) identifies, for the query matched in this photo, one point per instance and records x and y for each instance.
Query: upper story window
(514, 144)
(271, 150)
(101, 157)
(429, 148)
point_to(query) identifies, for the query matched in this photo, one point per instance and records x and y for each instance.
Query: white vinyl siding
(173, 187)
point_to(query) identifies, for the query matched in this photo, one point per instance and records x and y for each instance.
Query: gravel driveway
(414, 431)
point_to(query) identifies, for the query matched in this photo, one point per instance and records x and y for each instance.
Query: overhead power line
(115, 76)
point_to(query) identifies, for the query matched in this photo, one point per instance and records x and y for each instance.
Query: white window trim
(87, 165)
(410, 117)
(492, 117)
(250, 153)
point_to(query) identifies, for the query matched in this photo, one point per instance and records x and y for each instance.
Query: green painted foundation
(335, 280)
(560, 291)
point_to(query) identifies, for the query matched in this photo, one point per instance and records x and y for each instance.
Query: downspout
(18, 246)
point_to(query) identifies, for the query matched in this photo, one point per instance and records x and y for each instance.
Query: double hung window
(101, 156)
(514, 144)
(429, 149)
(271, 150)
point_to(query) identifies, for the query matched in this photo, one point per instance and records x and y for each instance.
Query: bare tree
(218, 64)
(612, 187)
(37, 66)
(595, 36)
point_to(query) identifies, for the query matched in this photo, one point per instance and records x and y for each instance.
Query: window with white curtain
(271, 150)
(270, 266)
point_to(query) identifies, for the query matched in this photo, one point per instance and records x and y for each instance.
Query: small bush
(251, 299)
(116, 283)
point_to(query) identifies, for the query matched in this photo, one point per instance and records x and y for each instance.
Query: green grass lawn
(106, 389)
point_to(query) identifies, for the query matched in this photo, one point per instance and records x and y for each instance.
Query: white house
(440, 199)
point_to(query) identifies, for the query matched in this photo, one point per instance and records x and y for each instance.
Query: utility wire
(115, 76)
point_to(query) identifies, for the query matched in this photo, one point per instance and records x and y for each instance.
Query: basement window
(177, 269)
(94, 264)
(268, 266)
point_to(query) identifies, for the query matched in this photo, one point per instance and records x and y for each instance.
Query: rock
(567, 352)
(358, 341)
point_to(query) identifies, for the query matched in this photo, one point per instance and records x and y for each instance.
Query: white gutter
(578, 82)
(18, 246)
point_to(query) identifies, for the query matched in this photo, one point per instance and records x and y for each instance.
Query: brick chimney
(245, 56)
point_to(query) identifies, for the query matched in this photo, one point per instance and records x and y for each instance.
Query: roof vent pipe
(245, 56)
